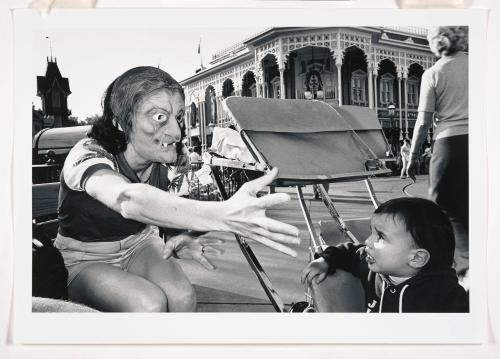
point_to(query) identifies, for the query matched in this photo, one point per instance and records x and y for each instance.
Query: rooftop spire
(50, 46)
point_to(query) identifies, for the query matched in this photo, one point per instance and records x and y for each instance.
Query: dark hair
(428, 225)
(120, 101)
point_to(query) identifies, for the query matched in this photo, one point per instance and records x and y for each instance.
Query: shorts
(77, 254)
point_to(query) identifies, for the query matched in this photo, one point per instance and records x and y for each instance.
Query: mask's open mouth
(166, 144)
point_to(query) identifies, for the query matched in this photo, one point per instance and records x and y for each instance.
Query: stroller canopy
(364, 122)
(309, 141)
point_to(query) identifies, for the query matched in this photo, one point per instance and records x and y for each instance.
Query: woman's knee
(148, 301)
(182, 299)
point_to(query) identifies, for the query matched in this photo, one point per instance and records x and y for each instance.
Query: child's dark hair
(428, 225)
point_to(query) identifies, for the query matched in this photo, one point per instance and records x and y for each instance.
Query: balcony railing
(412, 30)
(228, 51)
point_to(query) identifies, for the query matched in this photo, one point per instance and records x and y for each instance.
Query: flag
(199, 53)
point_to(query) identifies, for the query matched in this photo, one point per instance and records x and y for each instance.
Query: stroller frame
(297, 180)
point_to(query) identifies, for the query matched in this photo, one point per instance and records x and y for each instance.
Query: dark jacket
(426, 292)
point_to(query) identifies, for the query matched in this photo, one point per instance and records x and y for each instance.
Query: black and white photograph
(323, 106)
(290, 173)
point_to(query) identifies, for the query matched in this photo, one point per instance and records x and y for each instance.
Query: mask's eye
(160, 117)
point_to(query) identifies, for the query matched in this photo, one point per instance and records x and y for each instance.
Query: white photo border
(232, 328)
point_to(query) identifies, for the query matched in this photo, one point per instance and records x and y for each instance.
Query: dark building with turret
(54, 90)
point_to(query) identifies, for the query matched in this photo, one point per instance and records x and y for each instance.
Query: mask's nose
(173, 130)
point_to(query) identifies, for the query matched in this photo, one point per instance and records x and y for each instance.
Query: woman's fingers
(411, 171)
(276, 246)
(169, 248)
(253, 187)
(274, 199)
(204, 262)
(277, 231)
(212, 241)
(212, 250)
(174, 244)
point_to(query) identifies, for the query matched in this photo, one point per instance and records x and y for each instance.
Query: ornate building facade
(376, 67)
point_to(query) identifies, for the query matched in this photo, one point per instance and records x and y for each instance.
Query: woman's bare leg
(167, 275)
(110, 289)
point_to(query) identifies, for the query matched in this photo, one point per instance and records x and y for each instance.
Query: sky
(91, 59)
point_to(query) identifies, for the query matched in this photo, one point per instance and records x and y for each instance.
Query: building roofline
(225, 60)
(216, 68)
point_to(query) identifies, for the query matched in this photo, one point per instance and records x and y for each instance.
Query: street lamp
(391, 112)
(391, 109)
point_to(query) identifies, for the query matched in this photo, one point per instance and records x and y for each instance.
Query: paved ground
(233, 285)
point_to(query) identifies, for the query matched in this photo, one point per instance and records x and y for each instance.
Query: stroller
(312, 143)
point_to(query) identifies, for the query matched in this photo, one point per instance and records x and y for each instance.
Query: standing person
(405, 157)
(425, 159)
(110, 204)
(444, 97)
(194, 157)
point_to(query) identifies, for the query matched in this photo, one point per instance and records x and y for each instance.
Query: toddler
(405, 264)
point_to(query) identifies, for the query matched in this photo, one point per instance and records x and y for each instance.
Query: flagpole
(201, 56)
(50, 46)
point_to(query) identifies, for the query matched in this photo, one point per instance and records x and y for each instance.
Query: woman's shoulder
(85, 152)
(90, 146)
(86, 156)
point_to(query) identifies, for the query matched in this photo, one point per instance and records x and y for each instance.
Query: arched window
(413, 91)
(193, 115)
(275, 84)
(358, 87)
(253, 90)
(387, 88)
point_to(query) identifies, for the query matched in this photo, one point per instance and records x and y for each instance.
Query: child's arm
(346, 256)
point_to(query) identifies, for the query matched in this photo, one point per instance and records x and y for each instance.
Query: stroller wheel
(302, 307)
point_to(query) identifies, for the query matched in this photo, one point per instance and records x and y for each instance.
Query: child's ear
(419, 258)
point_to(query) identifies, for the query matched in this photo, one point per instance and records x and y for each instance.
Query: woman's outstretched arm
(244, 213)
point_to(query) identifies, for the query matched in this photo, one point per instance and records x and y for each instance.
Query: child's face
(390, 247)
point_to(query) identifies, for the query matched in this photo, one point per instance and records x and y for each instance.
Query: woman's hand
(410, 171)
(188, 246)
(245, 214)
(318, 269)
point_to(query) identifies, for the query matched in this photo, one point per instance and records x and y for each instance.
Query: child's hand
(316, 269)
